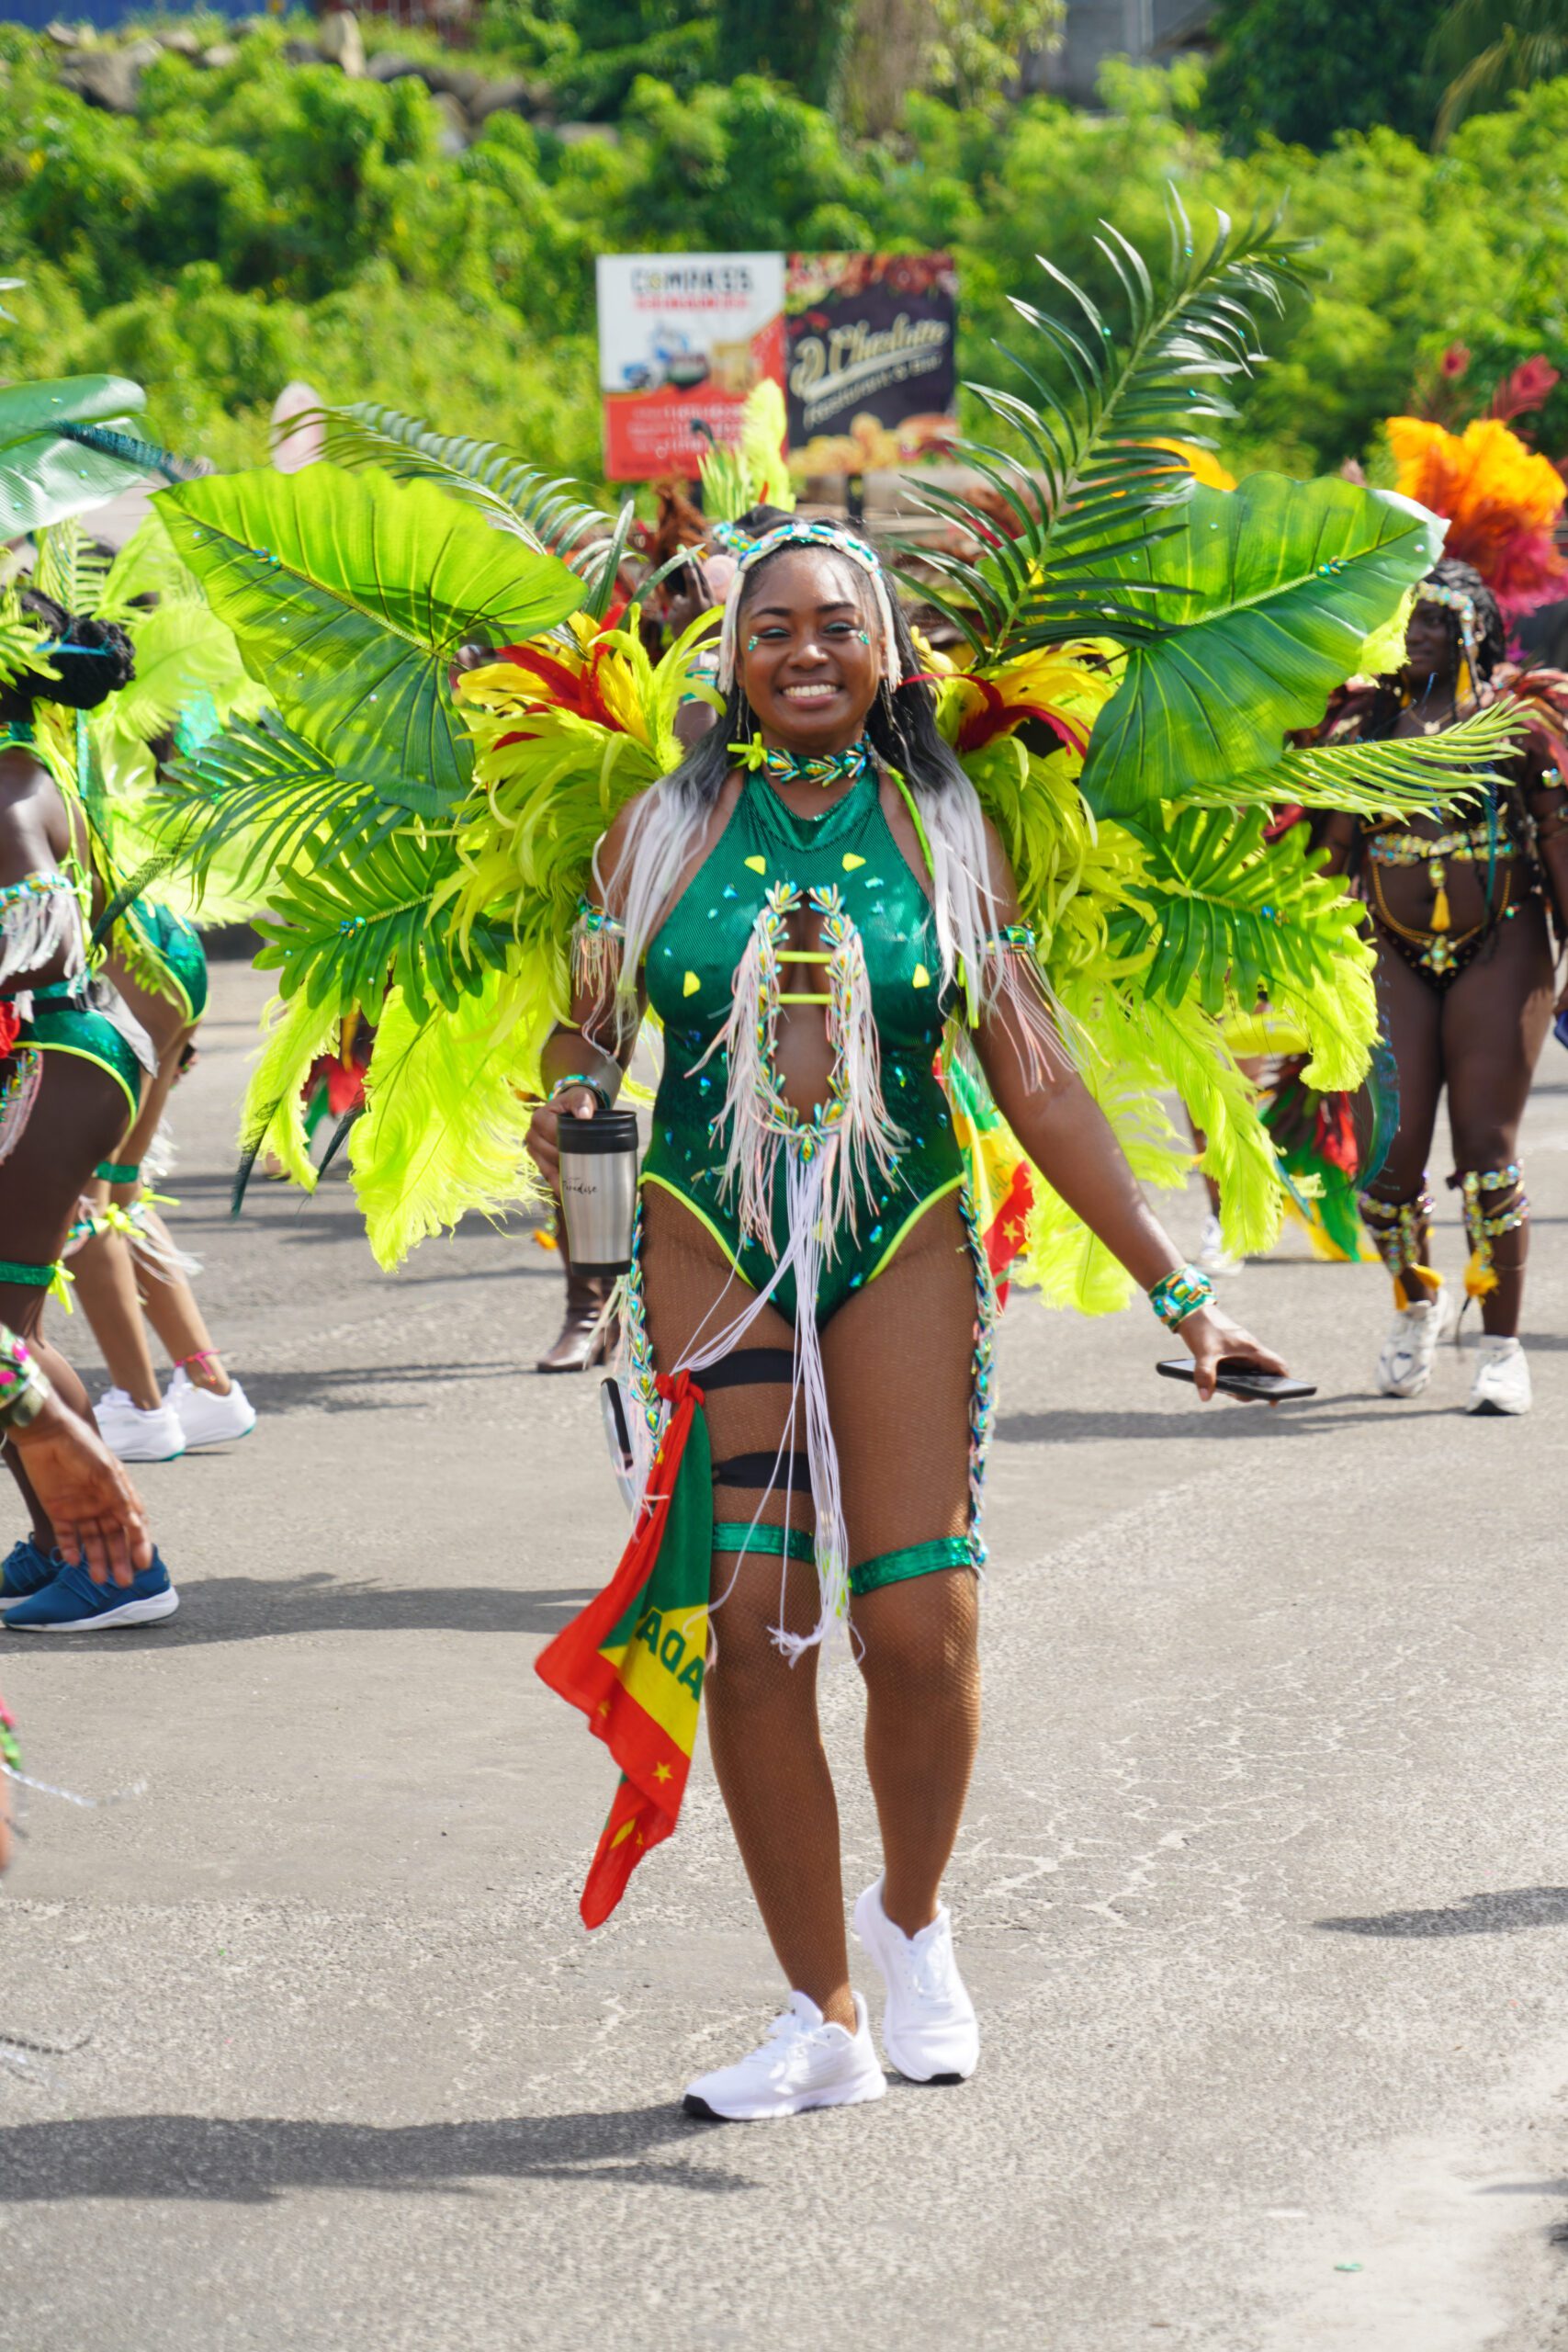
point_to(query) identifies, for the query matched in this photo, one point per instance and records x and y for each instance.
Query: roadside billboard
(872, 376)
(682, 339)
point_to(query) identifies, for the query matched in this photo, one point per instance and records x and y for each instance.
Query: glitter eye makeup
(751, 644)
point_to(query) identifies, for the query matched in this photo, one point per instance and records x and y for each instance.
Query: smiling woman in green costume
(804, 939)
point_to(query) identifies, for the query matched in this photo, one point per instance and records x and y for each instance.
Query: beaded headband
(1453, 600)
(811, 534)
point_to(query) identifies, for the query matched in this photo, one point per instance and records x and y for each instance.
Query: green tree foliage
(270, 221)
(801, 42)
(1302, 70)
(1485, 48)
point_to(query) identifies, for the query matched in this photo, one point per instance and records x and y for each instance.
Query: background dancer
(74, 1058)
(127, 1268)
(1460, 901)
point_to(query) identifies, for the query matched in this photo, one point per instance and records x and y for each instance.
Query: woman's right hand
(543, 1129)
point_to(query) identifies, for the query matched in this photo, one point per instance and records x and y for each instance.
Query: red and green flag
(634, 1660)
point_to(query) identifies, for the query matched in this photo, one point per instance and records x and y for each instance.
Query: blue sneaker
(27, 1569)
(73, 1603)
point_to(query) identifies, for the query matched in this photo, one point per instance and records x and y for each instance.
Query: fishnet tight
(897, 1359)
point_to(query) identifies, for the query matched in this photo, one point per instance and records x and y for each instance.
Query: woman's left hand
(1212, 1335)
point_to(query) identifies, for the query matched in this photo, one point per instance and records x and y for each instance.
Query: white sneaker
(205, 1418)
(1502, 1379)
(1405, 1364)
(1213, 1257)
(153, 1435)
(801, 2063)
(929, 2027)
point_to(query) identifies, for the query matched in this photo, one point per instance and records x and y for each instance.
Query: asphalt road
(1263, 1889)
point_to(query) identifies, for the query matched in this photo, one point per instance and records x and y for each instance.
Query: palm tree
(1486, 48)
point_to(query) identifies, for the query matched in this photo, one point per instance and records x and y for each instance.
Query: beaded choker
(826, 768)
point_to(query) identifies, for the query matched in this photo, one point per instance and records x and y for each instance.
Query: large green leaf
(1272, 589)
(349, 595)
(515, 495)
(45, 477)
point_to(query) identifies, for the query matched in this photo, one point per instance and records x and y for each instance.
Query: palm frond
(1224, 922)
(1092, 488)
(256, 798)
(1408, 776)
(345, 929)
(68, 568)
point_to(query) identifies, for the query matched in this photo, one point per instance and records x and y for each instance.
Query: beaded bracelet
(565, 1085)
(1180, 1293)
(24, 1391)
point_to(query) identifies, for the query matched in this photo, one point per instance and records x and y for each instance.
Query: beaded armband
(24, 1391)
(1180, 1293)
(1016, 935)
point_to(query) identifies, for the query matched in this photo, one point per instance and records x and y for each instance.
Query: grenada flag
(634, 1660)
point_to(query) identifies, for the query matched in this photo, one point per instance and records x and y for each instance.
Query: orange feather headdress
(1501, 500)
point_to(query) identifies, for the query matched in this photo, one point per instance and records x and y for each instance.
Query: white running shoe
(153, 1435)
(1213, 1257)
(205, 1418)
(801, 2063)
(929, 2027)
(1502, 1378)
(1404, 1366)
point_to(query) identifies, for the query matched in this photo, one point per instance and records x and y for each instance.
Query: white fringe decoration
(41, 925)
(854, 1133)
(152, 1246)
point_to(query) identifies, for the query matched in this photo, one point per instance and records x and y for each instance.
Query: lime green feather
(272, 1118)
(444, 1130)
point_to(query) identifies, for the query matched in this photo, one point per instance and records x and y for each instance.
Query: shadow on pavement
(342, 1389)
(250, 1608)
(1500, 1914)
(252, 2162)
(1224, 1419)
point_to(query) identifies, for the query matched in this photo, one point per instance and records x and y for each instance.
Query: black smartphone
(1236, 1377)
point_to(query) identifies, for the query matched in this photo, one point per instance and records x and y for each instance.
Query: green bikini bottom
(852, 1265)
(853, 1270)
(61, 1023)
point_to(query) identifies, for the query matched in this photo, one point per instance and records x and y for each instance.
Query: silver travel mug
(598, 1190)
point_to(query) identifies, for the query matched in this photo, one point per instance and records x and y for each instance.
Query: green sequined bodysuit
(690, 973)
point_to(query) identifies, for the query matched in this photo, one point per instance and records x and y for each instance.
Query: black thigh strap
(747, 1367)
(764, 1470)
